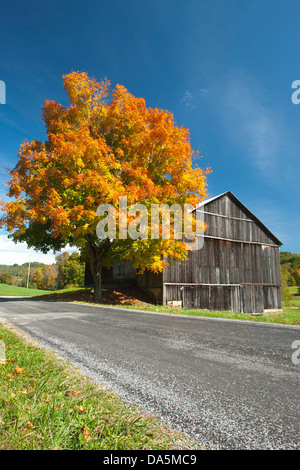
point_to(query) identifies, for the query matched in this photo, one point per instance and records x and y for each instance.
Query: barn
(237, 269)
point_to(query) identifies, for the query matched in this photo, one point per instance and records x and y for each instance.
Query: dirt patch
(125, 296)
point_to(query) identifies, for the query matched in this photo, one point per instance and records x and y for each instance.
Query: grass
(45, 404)
(294, 301)
(6, 290)
(289, 316)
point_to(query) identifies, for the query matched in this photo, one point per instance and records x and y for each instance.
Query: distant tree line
(290, 272)
(67, 271)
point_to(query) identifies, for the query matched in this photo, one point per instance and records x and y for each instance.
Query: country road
(229, 384)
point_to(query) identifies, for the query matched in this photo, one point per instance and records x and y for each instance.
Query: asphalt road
(229, 384)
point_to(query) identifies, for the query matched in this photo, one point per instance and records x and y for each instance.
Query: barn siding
(237, 268)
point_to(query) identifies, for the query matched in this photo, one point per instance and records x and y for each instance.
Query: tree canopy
(101, 146)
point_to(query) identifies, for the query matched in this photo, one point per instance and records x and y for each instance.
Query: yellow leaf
(72, 394)
(85, 433)
(80, 408)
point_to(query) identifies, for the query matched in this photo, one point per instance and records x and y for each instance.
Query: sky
(224, 68)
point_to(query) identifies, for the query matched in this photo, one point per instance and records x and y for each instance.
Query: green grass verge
(45, 404)
(7, 290)
(289, 316)
(294, 301)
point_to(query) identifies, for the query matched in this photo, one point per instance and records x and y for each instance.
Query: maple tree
(101, 146)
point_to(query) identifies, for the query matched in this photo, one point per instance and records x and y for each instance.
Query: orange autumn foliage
(98, 148)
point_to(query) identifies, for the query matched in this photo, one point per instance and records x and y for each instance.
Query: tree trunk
(98, 285)
(96, 254)
(95, 258)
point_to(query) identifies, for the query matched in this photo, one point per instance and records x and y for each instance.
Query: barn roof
(245, 209)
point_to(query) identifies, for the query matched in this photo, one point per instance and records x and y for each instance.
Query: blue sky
(223, 67)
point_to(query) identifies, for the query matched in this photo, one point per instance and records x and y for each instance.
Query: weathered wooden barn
(237, 269)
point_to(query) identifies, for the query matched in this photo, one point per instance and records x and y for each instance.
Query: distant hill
(17, 270)
(67, 271)
(16, 274)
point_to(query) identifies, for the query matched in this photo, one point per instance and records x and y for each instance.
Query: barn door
(236, 301)
(253, 299)
(196, 297)
(200, 297)
(188, 297)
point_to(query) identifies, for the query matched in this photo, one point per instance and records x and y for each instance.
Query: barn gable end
(227, 218)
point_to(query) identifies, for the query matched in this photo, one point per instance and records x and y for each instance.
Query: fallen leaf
(85, 433)
(19, 370)
(69, 393)
(80, 408)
